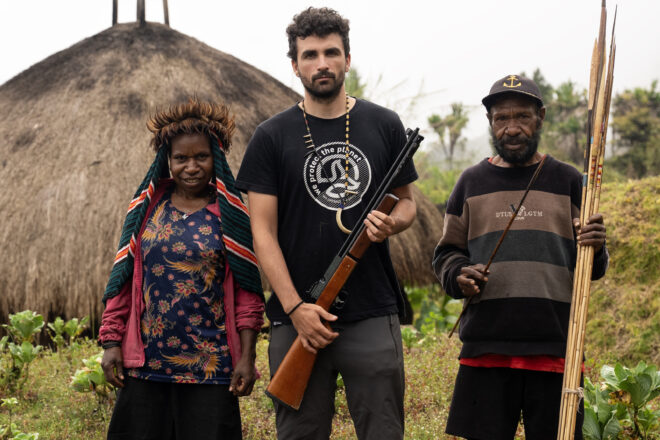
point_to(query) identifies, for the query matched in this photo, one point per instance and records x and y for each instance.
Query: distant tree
(565, 124)
(547, 91)
(636, 126)
(570, 121)
(449, 129)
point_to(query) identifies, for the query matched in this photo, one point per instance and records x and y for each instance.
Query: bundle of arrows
(600, 94)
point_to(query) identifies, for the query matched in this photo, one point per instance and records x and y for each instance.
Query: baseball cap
(513, 84)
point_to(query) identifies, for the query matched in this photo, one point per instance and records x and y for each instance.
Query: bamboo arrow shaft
(599, 99)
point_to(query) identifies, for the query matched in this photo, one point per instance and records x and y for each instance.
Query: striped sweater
(524, 308)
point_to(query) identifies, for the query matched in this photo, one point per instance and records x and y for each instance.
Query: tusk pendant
(343, 228)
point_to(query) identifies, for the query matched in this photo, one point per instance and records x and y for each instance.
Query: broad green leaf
(638, 387)
(27, 352)
(620, 372)
(71, 326)
(590, 426)
(611, 429)
(607, 373)
(57, 326)
(589, 393)
(653, 394)
(75, 327)
(91, 377)
(97, 377)
(25, 324)
(604, 410)
(654, 374)
(16, 354)
(621, 413)
(80, 382)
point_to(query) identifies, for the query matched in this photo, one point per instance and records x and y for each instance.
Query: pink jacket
(121, 318)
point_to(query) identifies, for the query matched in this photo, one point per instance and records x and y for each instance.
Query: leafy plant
(10, 431)
(600, 418)
(90, 378)
(23, 355)
(622, 403)
(633, 389)
(409, 336)
(63, 332)
(74, 328)
(56, 331)
(437, 315)
(22, 328)
(435, 312)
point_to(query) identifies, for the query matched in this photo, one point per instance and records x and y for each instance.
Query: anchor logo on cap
(513, 79)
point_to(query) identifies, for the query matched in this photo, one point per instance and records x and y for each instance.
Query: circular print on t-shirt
(324, 175)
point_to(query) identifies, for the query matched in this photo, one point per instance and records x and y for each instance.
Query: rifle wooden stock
(290, 380)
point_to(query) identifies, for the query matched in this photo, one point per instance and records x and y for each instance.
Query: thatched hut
(75, 146)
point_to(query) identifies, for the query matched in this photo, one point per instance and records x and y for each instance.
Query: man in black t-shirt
(309, 172)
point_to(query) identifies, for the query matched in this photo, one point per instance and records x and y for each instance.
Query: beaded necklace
(309, 144)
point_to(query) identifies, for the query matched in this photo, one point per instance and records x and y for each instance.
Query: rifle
(290, 380)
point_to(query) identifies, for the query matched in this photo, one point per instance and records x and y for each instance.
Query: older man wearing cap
(514, 331)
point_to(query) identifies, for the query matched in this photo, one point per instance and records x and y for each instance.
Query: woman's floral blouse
(183, 323)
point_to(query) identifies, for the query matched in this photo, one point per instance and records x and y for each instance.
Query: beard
(522, 155)
(324, 93)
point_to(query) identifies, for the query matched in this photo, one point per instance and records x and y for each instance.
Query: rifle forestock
(290, 380)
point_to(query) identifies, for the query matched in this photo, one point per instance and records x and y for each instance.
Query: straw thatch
(75, 147)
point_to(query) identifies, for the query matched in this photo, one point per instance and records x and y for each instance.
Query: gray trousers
(368, 354)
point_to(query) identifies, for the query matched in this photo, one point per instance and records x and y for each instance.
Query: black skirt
(173, 411)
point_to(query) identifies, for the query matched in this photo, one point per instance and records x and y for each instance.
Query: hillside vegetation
(624, 315)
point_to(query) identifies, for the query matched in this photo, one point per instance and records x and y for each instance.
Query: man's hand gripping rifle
(290, 380)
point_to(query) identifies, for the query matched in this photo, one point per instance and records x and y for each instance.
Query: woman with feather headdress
(184, 302)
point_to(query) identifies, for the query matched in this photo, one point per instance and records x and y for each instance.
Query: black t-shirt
(309, 189)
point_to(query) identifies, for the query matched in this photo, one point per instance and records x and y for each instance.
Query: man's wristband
(295, 307)
(110, 344)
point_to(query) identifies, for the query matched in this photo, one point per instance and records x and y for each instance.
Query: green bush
(621, 406)
(435, 311)
(90, 378)
(72, 329)
(56, 331)
(22, 328)
(600, 418)
(409, 336)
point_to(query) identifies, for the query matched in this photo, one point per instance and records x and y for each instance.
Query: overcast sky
(451, 51)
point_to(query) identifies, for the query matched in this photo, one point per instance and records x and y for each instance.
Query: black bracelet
(295, 307)
(110, 344)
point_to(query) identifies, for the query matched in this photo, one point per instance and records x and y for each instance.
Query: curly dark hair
(193, 117)
(319, 22)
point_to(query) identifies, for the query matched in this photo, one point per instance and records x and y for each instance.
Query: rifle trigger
(340, 299)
